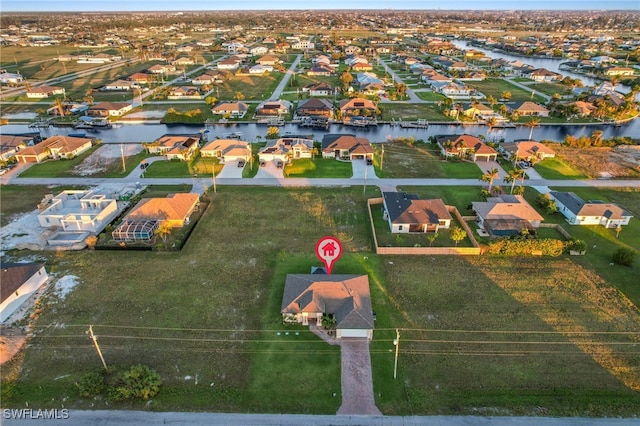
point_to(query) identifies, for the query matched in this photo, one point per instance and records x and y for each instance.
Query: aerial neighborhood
(353, 212)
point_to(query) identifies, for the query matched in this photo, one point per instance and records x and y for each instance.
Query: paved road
(283, 83)
(413, 98)
(143, 418)
(356, 378)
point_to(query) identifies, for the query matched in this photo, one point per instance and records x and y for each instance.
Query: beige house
(175, 210)
(526, 150)
(78, 210)
(529, 108)
(109, 109)
(227, 150)
(579, 212)
(233, 109)
(506, 215)
(45, 91)
(11, 144)
(175, 147)
(345, 298)
(466, 146)
(347, 147)
(407, 213)
(55, 147)
(286, 149)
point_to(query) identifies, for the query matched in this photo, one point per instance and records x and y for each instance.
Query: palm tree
(531, 124)
(513, 176)
(490, 176)
(491, 122)
(239, 96)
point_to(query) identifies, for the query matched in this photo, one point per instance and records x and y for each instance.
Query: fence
(473, 251)
(558, 228)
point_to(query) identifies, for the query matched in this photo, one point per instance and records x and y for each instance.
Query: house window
(442, 223)
(399, 227)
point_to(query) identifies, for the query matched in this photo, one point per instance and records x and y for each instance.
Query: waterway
(136, 133)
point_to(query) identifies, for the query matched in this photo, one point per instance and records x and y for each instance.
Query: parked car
(240, 163)
(262, 163)
(369, 161)
(279, 164)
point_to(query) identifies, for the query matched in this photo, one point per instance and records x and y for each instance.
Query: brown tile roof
(525, 149)
(354, 144)
(13, 275)
(468, 142)
(506, 207)
(347, 297)
(406, 208)
(176, 207)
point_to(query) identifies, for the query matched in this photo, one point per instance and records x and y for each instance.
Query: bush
(526, 247)
(91, 385)
(623, 257)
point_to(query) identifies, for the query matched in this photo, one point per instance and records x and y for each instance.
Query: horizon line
(600, 9)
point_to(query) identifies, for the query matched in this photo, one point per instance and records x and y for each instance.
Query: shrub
(576, 245)
(90, 385)
(526, 247)
(139, 382)
(623, 257)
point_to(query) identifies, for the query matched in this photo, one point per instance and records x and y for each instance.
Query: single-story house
(318, 89)
(273, 108)
(450, 88)
(109, 109)
(357, 106)
(19, 282)
(528, 108)
(361, 66)
(260, 69)
(45, 91)
(258, 50)
(183, 61)
(227, 150)
(585, 109)
(408, 213)
(228, 64)
(174, 210)
(184, 92)
(175, 147)
(203, 79)
(54, 147)
(11, 144)
(141, 78)
(346, 147)
(308, 297)
(466, 145)
(78, 210)
(506, 215)
(526, 150)
(268, 60)
(162, 69)
(233, 109)
(579, 212)
(543, 75)
(10, 78)
(320, 69)
(315, 107)
(284, 149)
(121, 85)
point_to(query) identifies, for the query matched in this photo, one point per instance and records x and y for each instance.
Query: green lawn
(551, 88)
(18, 199)
(479, 335)
(411, 112)
(419, 160)
(58, 168)
(251, 87)
(496, 86)
(555, 168)
(318, 168)
(430, 96)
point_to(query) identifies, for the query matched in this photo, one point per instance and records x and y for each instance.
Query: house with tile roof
(592, 212)
(11, 144)
(109, 109)
(466, 146)
(232, 109)
(526, 150)
(357, 106)
(319, 89)
(315, 107)
(55, 147)
(19, 282)
(286, 149)
(408, 213)
(175, 147)
(41, 92)
(174, 210)
(506, 215)
(528, 108)
(227, 150)
(347, 298)
(273, 108)
(347, 146)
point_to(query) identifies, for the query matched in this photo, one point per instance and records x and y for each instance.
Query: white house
(78, 210)
(19, 282)
(579, 212)
(407, 213)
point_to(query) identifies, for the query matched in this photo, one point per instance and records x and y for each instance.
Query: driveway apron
(357, 382)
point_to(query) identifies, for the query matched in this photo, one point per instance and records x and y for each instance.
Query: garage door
(348, 332)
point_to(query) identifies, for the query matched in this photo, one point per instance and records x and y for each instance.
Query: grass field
(486, 335)
(251, 87)
(551, 88)
(496, 86)
(420, 160)
(318, 168)
(555, 168)
(411, 112)
(16, 200)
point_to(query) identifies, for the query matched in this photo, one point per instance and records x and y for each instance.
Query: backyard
(479, 335)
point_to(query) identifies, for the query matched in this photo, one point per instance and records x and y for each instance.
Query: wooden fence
(473, 251)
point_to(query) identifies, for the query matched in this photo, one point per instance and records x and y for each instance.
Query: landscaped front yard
(318, 168)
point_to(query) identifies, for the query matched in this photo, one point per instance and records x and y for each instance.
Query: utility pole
(124, 166)
(95, 344)
(396, 342)
(213, 173)
(382, 156)
(366, 170)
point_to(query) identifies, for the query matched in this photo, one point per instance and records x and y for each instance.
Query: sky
(164, 5)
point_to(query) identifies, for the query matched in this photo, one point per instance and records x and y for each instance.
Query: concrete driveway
(362, 171)
(485, 166)
(231, 170)
(357, 381)
(269, 170)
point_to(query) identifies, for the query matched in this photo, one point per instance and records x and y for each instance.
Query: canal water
(251, 132)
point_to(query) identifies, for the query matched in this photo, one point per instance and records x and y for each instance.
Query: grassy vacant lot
(419, 160)
(411, 112)
(487, 335)
(251, 87)
(555, 168)
(16, 200)
(551, 88)
(496, 86)
(176, 168)
(318, 168)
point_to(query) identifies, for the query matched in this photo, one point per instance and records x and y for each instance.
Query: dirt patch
(107, 154)
(618, 162)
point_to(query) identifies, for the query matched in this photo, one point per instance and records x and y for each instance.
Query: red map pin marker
(328, 249)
